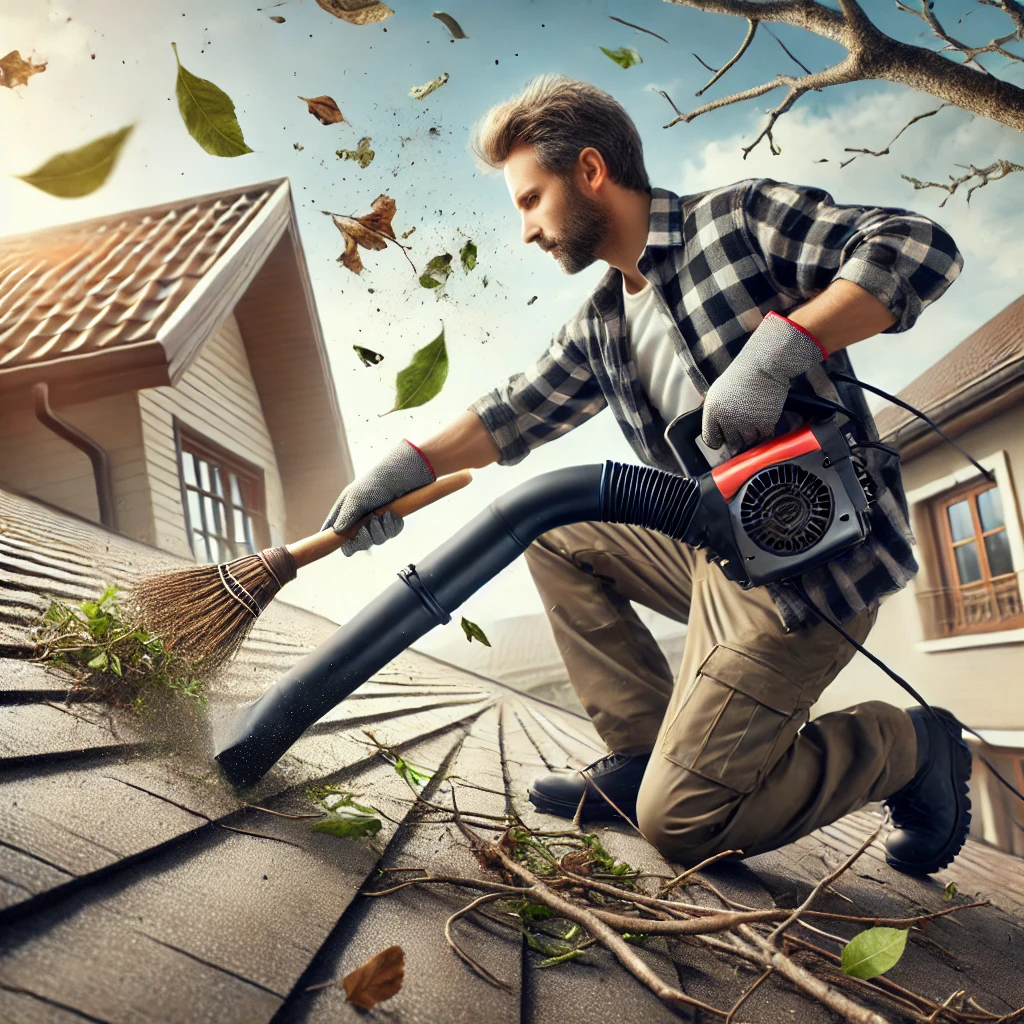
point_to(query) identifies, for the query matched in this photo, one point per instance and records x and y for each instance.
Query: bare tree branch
(987, 174)
(785, 49)
(885, 152)
(751, 30)
(928, 16)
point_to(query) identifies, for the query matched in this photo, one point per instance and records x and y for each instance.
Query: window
(224, 500)
(981, 590)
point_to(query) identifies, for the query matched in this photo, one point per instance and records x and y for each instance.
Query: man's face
(557, 215)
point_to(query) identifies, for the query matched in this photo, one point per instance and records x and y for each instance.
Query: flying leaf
(474, 632)
(378, 979)
(208, 113)
(357, 12)
(368, 356)
(15, 71)
(324, 109)
(349, 826)
(451, 24)
(624, 56)
(371, 231)
(532, 300)
(437, 271)
(949, 892)
(362, 154)
(78, 172)
(298, 146)
(420, 91)
(277, 18)
(468, 256)
(486, 282)
(873, 951)
(406, 234)
(424, 377)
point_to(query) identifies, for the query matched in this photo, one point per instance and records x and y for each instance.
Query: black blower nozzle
(425, 594)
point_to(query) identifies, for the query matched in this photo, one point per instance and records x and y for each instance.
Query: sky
(111, 64)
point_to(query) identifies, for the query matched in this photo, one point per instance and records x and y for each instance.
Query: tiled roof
(965, 374)
(112, 282)
(136, 886)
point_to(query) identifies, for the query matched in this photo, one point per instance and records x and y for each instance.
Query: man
(728, 299)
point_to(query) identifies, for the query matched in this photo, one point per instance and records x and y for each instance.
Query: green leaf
(949, 892)
(424, 377)
(624, 56)
(415, 775)
(873, 951)
(368, 356)
(468, 256)
(474, 632)
(115, 665)
(77, 172)
(100, 662)
(91, 609)
(437, 271)
(209, 114)
(362, 154)
(349, 826)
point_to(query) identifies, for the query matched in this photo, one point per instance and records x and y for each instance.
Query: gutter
(97, 455)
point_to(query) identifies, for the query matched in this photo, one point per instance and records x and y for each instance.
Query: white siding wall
(217, 399)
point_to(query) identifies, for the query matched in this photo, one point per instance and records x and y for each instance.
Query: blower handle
(309, 549)
(682, 433)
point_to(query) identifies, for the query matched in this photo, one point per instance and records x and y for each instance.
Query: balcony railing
(981, 607)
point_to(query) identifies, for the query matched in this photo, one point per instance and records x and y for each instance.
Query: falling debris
(357, 12)
(78, 172)
(624, 56)
(368, 356)
(378, 979)
(485, 281)
(639, 28)
(420, 92)
(406, 234)
(437, 271)
(532, 301)
(362, 154)
(451, 24)
(423, 378)
(371, 231)
(298, 146)
(277, 18)
(208, 113)
(474, 632)
(468, 256)
(324, 109)
(15, 71)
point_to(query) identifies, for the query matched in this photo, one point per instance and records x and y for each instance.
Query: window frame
(251, 481)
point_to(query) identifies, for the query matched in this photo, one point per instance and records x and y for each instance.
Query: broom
(204, 613)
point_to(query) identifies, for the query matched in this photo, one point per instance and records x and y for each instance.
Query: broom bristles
(195, 614)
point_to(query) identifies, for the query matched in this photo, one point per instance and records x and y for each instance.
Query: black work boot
(618, 775)
(932, 812)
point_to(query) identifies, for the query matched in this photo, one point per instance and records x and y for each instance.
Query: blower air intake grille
(785, 509)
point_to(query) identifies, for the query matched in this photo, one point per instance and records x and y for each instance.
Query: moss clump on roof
(110, 659)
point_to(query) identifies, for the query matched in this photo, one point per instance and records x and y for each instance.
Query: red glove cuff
(802, 330)
(421, 455)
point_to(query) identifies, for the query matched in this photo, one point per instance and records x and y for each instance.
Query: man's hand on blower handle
(463, 444)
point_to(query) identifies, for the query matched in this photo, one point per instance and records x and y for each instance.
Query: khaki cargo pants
(735, 762)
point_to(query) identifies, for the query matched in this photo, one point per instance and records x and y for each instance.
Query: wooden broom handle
(309, 549)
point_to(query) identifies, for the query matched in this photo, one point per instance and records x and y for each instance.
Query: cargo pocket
(739, 717)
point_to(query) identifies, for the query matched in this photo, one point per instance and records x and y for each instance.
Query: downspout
(97, 456)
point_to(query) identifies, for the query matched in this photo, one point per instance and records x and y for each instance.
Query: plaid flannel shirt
(719, 261)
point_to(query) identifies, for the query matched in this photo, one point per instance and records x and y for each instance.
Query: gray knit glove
(745, 404)
(402, 470)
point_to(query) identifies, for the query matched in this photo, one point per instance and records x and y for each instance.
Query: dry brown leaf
(378, 979)
(370, 231)
(324, 109)
(451, 24)
(357, 12)
(14, 71)
(277, 18)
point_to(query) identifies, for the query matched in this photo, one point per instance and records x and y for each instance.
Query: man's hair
(560, 117)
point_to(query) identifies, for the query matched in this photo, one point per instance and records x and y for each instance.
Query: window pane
(967, 563)
(249, 542)
(997, 547)
(204, 473)
(199, 546)
(188, 468)
(990, 509)
(216, 550)
(195, 512)
(239, 526)
(960, 523)
(218, 486)
(214, 517)
(236, 492)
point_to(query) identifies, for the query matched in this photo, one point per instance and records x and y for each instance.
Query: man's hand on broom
(402, 470)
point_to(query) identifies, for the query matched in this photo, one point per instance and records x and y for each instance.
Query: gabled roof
(978, 370)
(126, 302)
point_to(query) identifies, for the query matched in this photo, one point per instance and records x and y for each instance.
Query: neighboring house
(163, 372)
(956, 633)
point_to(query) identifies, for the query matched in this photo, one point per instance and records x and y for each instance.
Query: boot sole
(592, 812)
(960, 773)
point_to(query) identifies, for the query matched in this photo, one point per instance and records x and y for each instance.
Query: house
(151, 366)
(956, 633)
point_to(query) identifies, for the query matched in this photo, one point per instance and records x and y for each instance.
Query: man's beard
(584, 230)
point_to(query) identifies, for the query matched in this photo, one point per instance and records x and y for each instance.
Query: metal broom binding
(204, 613)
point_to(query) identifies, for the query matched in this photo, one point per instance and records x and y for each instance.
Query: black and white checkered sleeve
(807, 240)
(557, 393)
